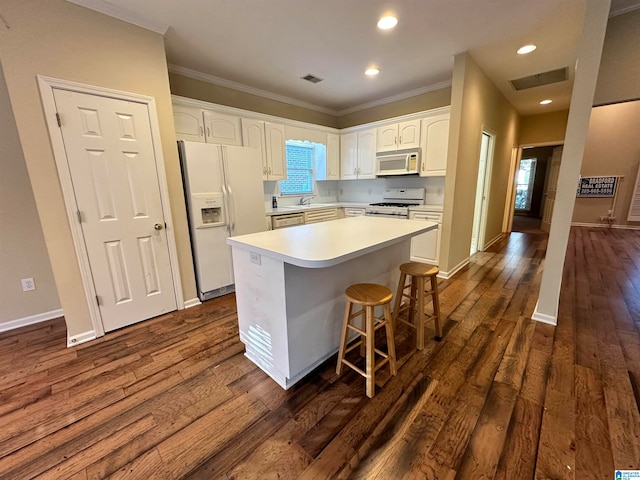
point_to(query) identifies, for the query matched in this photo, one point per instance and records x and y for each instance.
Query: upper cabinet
(200, 125)
(398, 136)
(434, 143)
(222, 128)
(188, 123)
(253, 136)
(330, 169)
(358, 154)
(276, 151)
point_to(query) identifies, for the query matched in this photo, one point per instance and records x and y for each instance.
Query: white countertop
(325, 244)
(427, 208)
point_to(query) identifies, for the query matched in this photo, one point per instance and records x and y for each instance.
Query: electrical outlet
(255, 258)
(28, 284)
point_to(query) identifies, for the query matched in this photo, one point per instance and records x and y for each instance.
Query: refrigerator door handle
(232, 218)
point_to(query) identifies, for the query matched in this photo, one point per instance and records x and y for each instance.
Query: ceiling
(265, 46)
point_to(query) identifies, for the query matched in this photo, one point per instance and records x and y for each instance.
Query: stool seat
(419, 273)
(368, 296)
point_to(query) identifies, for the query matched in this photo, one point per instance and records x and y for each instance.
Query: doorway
(482, 192)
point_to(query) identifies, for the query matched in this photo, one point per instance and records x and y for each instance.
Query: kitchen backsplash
(361, 191)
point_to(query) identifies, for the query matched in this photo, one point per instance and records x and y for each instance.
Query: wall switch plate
(255, 258)
(28, 284)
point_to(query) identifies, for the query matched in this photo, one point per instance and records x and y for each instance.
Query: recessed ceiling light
(385, 23)
(526, 49)
(546, 102)
(372, 71)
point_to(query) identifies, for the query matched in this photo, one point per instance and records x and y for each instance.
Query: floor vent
(539, 79)
(312, 78)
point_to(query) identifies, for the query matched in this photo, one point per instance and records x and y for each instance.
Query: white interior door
(111, 161)
(550, 189)
(480, 208)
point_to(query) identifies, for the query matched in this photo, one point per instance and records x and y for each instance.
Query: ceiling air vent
(312, 78)
(553, 76)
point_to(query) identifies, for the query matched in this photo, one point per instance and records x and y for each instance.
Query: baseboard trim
(447, 275)
(25, 321)
(495, 240)
(605, 225)
(543, 317)
(194, 302)
(81, 338)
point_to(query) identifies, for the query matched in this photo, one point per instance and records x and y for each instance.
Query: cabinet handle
(201, 132)
(400, 139)
(395, 140)
(269, 170)
(208, 132)
(422, 165)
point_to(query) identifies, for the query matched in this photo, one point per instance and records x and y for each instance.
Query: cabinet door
(276, 151)
(333, 156)
(435, 145)
(367, 153)
(222, 128)
(188, 123)
(425, 247)
(349, 156)
(253, 136)
(387, 138)
(409, 134)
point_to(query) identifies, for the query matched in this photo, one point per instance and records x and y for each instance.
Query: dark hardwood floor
(499, 397)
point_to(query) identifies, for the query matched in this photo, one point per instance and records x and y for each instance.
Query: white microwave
(397, 164)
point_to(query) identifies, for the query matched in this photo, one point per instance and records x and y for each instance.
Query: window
(524, 187)
(300, 161)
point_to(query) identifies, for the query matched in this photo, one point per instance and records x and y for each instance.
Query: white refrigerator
(224, 193)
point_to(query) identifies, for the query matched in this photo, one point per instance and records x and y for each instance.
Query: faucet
(304, 201)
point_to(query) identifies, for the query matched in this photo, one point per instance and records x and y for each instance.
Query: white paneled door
(551, 186)
(111, 160)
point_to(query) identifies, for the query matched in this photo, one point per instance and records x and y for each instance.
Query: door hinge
(98, 300)
(79, 216)
(58, 119)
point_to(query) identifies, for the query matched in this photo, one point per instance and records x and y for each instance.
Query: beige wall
(208, 92)
(476, 105)
(618, 78)
(543, 128)
(612, 148)
(60, 39)
(23, 253)
(419, 103)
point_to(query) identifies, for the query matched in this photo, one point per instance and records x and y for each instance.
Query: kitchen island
(290, 286)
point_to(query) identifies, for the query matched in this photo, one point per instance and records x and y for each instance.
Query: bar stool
(369, 296)
(418, 272)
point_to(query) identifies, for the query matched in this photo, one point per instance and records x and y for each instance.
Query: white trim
(454, 270)
(222, 82)
(194, 302)
(46, 86)
(30, 320)
(605, 225)
(123, 14)
(395, 98)
(622, 11)
(544, 318)
(76, 340)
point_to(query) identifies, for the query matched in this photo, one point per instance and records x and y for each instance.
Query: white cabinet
(188, 123)
(199, 125)
(425, 247)
(434, 142)
(333, 157)
(358, 154)
(398, 136)
(253, 136)
(276, 152)
(222, 128)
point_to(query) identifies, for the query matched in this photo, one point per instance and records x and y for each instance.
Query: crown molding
(123, 14)
(205, 77)
(622, 11)
(395, 98)
(187, 72)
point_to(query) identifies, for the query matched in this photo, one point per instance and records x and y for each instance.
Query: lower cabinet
(353, 211)
(425, 247)
(315, 216)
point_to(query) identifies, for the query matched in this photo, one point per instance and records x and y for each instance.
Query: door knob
(158, 226)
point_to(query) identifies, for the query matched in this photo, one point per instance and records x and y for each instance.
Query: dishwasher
(287, 220)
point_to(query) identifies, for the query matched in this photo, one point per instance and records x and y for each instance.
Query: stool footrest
(356, 329)
(353, 346)
(348, 363)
